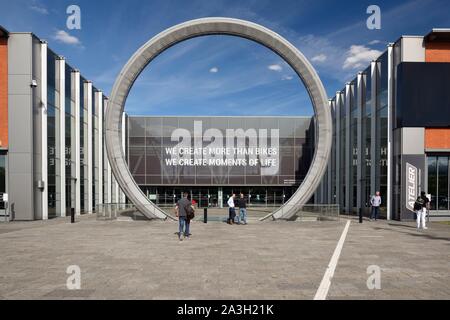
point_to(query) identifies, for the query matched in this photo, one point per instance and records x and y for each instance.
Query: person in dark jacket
(183, 225)
(423, 206)
(242, 204)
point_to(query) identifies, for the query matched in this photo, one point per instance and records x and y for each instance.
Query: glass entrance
(438, 182)
(2, 181)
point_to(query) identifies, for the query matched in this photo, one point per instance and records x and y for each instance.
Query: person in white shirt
(375, 201)
(231, 209)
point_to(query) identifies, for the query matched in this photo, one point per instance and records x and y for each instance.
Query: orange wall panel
(437, 138)
(437, 52)
(3, 93)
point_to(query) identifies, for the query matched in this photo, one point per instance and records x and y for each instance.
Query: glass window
(2, 177)
(442, 194)
(432, 180)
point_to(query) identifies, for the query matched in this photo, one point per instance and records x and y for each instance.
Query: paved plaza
(263, 260)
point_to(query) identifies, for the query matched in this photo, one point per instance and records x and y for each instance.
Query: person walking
(181, 210)
(231, 209)
(188, 220)
(421, 206)
(375, 202)
(242, 204)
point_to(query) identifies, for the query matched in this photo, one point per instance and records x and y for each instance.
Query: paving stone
(263, 260)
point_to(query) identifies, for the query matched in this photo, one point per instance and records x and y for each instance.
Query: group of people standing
(184, 211)
(241, 216)
(185, 208)
(421, 207)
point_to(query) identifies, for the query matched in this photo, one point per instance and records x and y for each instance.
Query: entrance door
(439, 182)
(2, 182)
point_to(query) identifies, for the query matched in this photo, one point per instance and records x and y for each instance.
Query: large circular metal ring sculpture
(218, 26)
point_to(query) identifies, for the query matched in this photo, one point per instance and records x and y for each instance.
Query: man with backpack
(421, 206)
(184, 212)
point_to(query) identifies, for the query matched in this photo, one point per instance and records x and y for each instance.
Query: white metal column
(390, 126)
(116, 190)
(61, 139)
(99, 145)
(360, 156)
(88, 150)
(338, 148)
(108, 166)
(122, 195)
(373, 127)
(76, 140)
(348, 150)
(43, 118)
(332, 158)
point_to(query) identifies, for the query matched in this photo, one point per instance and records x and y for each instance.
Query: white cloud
(374, 42)
(288, 78)
(64, 37)
(275, 67)
(214, 70)
(39, 8)
(319, 58)
(359, 56)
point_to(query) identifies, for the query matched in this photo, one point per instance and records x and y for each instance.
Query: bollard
(72, 215)
(360, 215)
(205, 215)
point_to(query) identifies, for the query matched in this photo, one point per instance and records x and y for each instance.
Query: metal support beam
(76, 140)
(373, 127)
(339, 102)
(44, 133)
(348, 149)
(99, 146)
(390, 117)
(360, 154)
(88, 148)
(60, 141)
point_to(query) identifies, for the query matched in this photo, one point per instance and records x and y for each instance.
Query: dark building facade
(212, 157)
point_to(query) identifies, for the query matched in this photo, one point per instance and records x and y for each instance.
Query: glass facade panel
(442, 192)
(83, 145)
(152, 150)
(52, 123)
(70, 123)
(432, 180)
(366, 138)
(382, 126)
(438, 181)
(2, 178)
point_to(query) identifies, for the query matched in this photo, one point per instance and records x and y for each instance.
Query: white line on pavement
(322, 292)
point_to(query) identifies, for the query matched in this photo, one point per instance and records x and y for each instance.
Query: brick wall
(437, 52)
(437, 138)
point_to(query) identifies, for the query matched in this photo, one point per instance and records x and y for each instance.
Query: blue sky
(222, 75)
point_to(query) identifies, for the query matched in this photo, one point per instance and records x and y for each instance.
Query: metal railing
(319, 212)
(111, 211)
(307, 212)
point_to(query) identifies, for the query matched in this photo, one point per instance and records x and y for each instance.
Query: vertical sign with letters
(411, 185)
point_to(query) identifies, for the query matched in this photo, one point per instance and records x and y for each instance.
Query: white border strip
(322, 292)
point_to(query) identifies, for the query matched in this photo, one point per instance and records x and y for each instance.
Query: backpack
(190, 211)
(418, 205)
